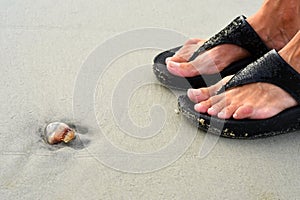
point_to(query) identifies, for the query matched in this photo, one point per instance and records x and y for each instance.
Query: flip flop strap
(238, 32)
(271, 68)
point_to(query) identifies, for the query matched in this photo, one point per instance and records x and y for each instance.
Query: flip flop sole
(285, 122)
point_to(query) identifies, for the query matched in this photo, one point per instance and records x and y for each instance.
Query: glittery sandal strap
(271, 68)
(238, 32)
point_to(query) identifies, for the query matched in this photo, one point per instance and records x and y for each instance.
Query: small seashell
(57, 132)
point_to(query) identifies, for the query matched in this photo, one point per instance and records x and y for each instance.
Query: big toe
(177, 59)
(198, 95)
(202, 94)
(183, 69)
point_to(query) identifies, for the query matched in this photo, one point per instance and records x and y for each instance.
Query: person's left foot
(254, 101)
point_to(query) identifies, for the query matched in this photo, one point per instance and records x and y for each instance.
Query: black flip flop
(270, 68)
(238, 32)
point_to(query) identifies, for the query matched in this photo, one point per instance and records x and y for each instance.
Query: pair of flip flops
(263, 66)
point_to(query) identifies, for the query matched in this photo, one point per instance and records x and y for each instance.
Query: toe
(176, 58)
(172, 65)
(243, 112)
(202, 94)
(201, 107)
(216, 108)
(198, 95)
(213, 90)
(227, 112)
(205, 105)
(185, 69)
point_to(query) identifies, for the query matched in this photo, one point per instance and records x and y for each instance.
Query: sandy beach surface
(88, 63)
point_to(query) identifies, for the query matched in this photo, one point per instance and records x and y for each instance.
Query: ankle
(276, 22)
(291, 52)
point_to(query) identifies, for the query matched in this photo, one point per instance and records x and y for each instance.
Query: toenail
(173, 64)
(211, 110)
(190, 92)
(197, 106)
(168, 59)
(221, 114)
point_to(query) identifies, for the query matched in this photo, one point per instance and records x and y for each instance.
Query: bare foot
(202, 94)
(275, 23)
(211, 61)
(254, 101)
